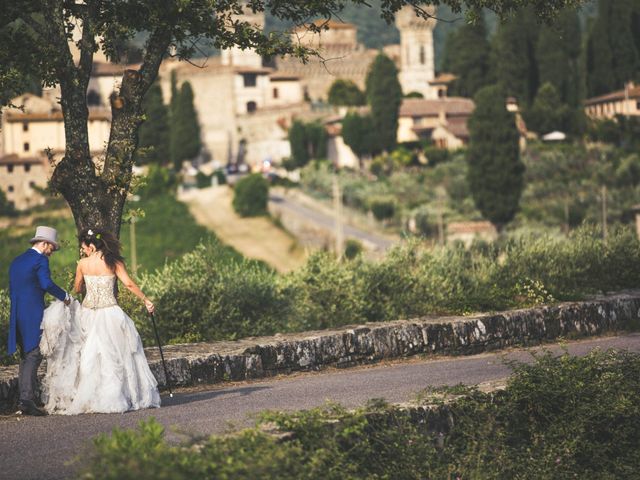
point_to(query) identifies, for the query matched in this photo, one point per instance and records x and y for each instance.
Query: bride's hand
(149, 305)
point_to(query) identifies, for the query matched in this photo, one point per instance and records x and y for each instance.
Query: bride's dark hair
(105, 242)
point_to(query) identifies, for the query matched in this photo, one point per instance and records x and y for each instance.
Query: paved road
(328, 222)
(38, 448)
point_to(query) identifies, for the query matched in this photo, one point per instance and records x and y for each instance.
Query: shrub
(383, 208)
(202, 180)
(561, 417)
(352, 249)
(159, 181)
(5, 313)
(251, 195)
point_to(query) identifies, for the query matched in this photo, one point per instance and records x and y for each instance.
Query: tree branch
(87, 43)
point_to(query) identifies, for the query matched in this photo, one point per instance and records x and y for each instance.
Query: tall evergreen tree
(154, 132)
(358, 134)
(557, 53)
(467, 55)
(496, 173)
(626, 58)
(548, 113)
(384, 95)
(185, 128)
(514, 56)
(613, 46)
(173, 107)
(298, 143)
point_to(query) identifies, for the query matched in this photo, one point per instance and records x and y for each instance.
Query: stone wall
(191, 364)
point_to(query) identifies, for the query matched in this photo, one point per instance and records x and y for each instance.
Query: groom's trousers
(28, 374)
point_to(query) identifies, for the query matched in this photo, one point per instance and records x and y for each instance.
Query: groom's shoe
(28, 407)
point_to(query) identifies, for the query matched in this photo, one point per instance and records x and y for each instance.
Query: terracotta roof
(99, 69)
(331, 24)
(458, 127)
(632, 93)
(282, 77)
(17, 116)
(14, 159)
(443, 79)
(256, 70)
(423, 107)
(470, 227)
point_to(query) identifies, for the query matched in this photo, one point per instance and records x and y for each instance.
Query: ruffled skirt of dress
(95, 362)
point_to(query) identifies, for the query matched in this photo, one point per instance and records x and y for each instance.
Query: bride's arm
(78, 285)
(123, 276)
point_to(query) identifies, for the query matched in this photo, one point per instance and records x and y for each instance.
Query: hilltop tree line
(549, 67)
(170, 133)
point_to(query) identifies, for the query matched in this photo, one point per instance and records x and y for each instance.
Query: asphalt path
(41, 447)
(328, 222)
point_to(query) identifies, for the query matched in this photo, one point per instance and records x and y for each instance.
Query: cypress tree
(626, 59)
(357, 133)
(174, 143)
(495, 173)
(185, 128)
(467, 55)
(557, 53)
(514, 56)
(384, 95)
(154, 132)
(548, 113)
(298, 143)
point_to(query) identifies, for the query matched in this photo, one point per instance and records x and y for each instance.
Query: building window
(10, 188)
(27, 167)
(32, 184)
(250, 79)
(26, 146)
(422, 59)
(25, 127)
(93, 98)
(637, 104)
(10, 168)
(251, 107)
(275, 93)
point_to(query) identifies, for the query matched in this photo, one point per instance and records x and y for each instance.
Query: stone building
(443, 120)
(621, 102)
(32, 133)
(417, 61)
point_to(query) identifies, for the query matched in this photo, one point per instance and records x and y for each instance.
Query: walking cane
(164, 365)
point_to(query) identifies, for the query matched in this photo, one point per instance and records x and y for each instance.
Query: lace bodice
(99, 291)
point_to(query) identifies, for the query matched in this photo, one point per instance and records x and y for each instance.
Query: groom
(29, 279)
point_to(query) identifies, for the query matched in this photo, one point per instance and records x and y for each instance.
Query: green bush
(251, 195)
(352, 249)
(383, 208)
(159, 181)
(202, 180)
(560, 417)
(5, 313)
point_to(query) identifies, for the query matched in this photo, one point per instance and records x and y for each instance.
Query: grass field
(167, 231)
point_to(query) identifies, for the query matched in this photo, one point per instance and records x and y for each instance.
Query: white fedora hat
(46, 234)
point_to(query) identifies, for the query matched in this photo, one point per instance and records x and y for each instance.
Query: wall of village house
(18, 180)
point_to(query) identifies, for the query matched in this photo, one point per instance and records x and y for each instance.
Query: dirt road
(256, 238)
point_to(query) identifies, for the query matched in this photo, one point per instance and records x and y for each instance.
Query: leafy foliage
(560, 417)
(251, 195)
(358, 133)
(308, 141)
(345, 93)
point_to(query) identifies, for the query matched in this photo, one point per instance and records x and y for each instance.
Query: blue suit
(29, 279)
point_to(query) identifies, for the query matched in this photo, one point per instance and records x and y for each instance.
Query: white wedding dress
(95, 359)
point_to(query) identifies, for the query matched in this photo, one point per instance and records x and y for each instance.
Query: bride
(95, 359)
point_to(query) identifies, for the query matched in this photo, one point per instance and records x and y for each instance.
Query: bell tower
(247, 57)
(416, 51)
